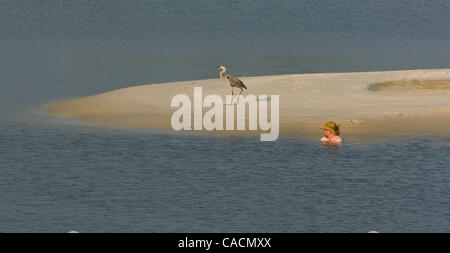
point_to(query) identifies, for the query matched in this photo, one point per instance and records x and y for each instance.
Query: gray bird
(233, 81)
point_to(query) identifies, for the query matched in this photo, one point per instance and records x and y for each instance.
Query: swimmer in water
(332, 132)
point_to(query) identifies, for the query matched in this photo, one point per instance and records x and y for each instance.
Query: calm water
(58, 175)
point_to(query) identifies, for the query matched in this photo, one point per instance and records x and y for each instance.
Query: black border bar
(222, 241)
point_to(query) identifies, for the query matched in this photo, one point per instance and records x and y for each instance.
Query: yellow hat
(332, 126)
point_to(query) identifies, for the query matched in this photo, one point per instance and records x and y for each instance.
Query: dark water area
(93, 179)
(58, 175)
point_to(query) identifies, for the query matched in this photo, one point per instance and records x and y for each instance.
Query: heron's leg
(240, 95)
(232, 94)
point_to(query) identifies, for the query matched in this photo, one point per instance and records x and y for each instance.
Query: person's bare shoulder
(337, 140)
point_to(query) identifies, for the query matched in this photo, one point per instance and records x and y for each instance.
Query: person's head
(331, 128)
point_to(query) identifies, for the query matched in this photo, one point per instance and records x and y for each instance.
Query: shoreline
(406, 102)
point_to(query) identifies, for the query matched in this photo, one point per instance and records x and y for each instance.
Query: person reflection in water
(332, 132)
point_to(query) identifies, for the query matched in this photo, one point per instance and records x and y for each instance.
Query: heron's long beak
(218, 67)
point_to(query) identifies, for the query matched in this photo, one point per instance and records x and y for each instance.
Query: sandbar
(367, 105)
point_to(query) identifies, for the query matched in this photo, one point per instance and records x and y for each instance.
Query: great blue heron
(233, 81)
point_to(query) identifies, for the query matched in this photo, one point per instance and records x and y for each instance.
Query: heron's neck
(223, 72)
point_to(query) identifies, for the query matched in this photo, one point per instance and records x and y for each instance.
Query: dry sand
(368, 105)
